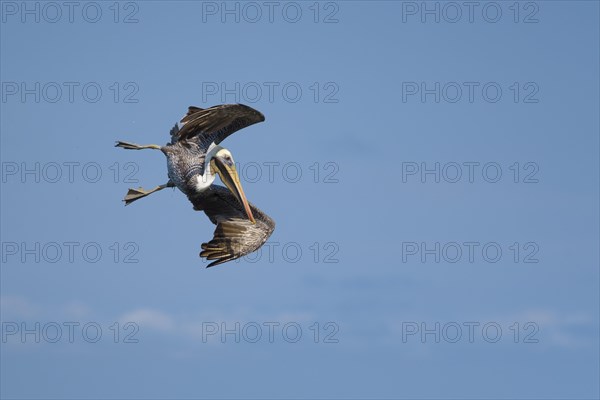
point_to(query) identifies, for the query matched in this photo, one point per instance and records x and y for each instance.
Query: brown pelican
(194, 158)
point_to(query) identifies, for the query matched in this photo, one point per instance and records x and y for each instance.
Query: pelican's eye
(226, 159)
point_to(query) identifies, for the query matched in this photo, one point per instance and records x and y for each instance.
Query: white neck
(204, 181)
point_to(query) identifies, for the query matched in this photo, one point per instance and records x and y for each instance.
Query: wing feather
(214, 124)
(234, 235)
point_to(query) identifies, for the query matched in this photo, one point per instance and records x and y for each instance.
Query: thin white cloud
(77, 310)
(148, 318)
(17, 307)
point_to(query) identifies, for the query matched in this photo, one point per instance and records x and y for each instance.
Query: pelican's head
(222, 163)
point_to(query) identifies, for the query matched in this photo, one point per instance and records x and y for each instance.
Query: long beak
(230, 178)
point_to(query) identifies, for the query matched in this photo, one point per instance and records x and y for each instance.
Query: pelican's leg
(135, 194)
(133, 146)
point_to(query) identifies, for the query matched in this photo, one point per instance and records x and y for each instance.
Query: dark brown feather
(235, 235)
(214, 124)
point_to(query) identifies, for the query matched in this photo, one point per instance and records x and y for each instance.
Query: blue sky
(434, 184)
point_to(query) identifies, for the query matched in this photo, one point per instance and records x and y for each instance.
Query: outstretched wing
(235, 235)
(214, 124)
